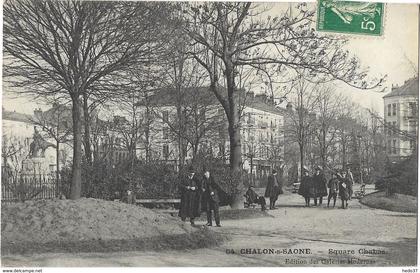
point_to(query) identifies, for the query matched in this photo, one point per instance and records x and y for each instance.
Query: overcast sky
(394, 54)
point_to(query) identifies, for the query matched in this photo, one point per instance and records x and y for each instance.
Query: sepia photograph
(209, 134)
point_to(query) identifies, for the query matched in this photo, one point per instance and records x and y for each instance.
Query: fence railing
(15, 188)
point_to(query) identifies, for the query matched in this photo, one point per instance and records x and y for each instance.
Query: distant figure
(306, 188)
(320, 185)
(129, 198)
(350, 177)
(333, 189)
(251, 197)
(343, 189)
(211, 198)
(190, 188)
(273, 189)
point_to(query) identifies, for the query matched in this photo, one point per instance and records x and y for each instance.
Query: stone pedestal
(35, 166)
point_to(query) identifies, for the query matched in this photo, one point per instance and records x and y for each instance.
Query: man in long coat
(306, 188)
(211, 198)
(273, 189)
(320, 184)
(190, 188)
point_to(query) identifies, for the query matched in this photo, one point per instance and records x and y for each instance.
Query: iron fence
(18, 188)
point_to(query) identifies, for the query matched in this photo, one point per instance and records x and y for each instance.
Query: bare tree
(13, 152)
(66, 48)
(328, 107)
(302, 117)
(230, 36)
(56, 123)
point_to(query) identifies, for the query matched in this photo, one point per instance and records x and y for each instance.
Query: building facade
(261, 127)
(401, 119)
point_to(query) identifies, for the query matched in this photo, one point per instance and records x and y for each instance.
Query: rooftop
(15, 116)
(169, 97)
(409, 88)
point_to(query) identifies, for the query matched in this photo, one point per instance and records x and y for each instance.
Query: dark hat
(191, 169)
(274, 171)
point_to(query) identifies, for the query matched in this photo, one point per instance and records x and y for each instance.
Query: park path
(291, 226)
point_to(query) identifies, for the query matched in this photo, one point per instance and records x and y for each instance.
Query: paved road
(292, 227)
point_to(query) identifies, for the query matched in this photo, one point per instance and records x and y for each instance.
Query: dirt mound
(72, 225)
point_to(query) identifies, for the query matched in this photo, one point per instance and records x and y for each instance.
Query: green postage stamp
(350, 17)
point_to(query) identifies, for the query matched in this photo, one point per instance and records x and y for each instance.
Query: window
(394, 127)
(390, 130)
(165, 151)
(221, 149)
(412, 109)
(202, 114)
(394, 146)
(412, 144)
(389, 147)
(165, 133)
(165, 116)
(389, 109)
(394, 109)
(412, 126)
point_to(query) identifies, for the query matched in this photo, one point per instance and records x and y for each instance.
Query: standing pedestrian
(333, 189)
(320, 185)
(211, 197)
(273, 189)
(190, 188)
(343, 190)
(306, 188)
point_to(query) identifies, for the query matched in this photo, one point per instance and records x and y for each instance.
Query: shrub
(402, 177)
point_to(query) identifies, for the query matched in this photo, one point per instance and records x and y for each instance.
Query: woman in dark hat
(190, 188)
(306, 188)
(320, 185)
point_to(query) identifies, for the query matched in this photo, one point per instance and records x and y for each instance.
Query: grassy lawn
(398, 202)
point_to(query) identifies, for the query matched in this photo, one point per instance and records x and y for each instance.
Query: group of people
(197, 195)
(317, 187)
(272, 191)
(202, 193)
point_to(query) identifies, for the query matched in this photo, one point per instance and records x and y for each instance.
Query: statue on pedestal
(38, 145)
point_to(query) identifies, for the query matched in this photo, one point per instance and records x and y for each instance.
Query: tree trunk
(86, 136)
(302, 158)
(57, 171)
(235, 146)
(233, 120)
(235, 155)
(76, 180)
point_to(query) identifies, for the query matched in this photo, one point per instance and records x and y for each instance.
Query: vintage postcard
(209, 134)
